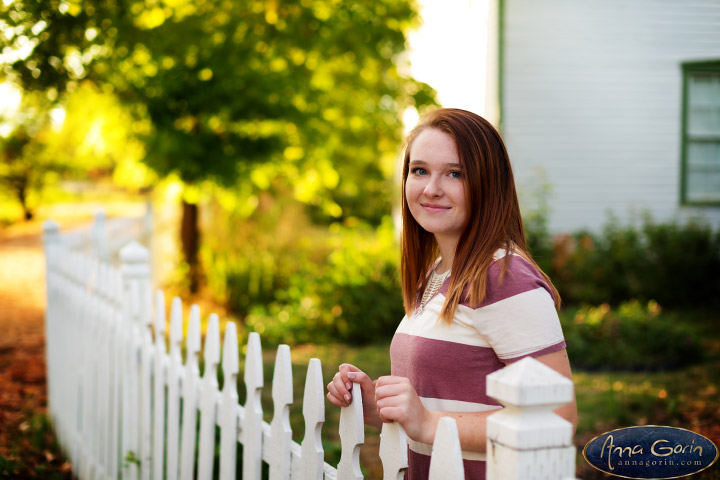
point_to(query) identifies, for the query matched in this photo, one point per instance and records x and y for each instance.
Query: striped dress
(447, 364)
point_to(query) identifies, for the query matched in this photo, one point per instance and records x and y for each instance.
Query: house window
(701, 134)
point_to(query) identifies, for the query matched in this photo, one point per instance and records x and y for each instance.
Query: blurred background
(264, 137)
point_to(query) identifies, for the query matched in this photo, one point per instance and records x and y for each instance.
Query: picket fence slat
(159, 382)
(252, 422)
(446, 460)
(102, 418)
(393, 451)
(125, 405)
(229, 409)
(190, 384)
(114, 328)
(146, 369)
(280, 432)
(208, 399)
(174, 376)
(352, 435)
(310, 466)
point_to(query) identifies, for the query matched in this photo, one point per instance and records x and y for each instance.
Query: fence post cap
(529, 382)
(230, 359)
(134, 253)
(50, 228)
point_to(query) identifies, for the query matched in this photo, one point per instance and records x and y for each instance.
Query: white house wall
(592, 97)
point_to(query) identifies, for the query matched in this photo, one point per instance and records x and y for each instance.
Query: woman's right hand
(340, 391)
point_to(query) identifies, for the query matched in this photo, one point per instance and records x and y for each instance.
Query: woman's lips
(432, 208)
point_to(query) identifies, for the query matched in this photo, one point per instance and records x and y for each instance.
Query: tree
(24, 167)
(16, 170)
(312, 86)
(41, 142)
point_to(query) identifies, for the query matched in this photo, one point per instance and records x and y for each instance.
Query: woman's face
(435, 186)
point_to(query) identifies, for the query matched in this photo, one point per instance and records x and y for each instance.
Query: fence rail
(124, 404)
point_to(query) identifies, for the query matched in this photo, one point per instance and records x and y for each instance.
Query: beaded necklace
(434, 283)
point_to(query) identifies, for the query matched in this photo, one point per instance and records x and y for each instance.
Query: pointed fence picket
(125, 405)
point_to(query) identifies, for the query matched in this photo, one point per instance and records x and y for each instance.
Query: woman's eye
(418, 171)
(455, 174)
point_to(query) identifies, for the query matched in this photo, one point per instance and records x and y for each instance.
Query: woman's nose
(433, 187)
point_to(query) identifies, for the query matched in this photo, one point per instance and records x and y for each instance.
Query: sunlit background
(448, 52)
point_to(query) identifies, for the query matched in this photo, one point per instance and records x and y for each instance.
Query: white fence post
(136, 412)
(191, 385)
(526, 440)
(51, 244)
(280, 433)
(209, 399)
(311, 459)
(393, 451)
(98, 237)
(174, 375)
(115, 328)
(252, 413)
(229, 405)
(352, 435)
(159, 360)
(446, 462)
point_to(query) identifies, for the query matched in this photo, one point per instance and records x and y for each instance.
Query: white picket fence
(104, 238)
(124, 405)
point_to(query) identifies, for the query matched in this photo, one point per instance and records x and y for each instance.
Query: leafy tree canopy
(310, 89)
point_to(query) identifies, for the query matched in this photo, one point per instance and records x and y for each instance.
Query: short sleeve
(518, 316)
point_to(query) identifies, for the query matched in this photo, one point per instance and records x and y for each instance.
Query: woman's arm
(559, 362)
(398, 401)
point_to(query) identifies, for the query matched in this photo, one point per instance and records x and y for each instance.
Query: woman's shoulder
(515, 264)
(511, 274)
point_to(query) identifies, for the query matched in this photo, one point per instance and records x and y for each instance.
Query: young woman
(474, 298)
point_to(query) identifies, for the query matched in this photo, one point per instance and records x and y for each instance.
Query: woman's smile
(432, 208)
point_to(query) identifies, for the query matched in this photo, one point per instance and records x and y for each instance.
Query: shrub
(675, 264)
(341, 286)
(633, 336)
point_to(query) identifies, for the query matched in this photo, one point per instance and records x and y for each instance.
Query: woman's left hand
(398, 401)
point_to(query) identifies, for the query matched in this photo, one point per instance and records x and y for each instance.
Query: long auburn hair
(493, 214)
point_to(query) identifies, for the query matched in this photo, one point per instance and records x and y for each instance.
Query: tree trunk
(190, 236)
(21, 191)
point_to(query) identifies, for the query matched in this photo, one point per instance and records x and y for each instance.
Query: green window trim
(501, 64)
(689, 69)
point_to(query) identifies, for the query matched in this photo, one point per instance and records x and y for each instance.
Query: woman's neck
(447, 248)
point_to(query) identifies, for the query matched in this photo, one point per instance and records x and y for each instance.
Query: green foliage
(673, 263)
(350, 295)
(24, 166)
(90, 136)
(534, 202)
(630, 337)
(131, 457)
(338, 284)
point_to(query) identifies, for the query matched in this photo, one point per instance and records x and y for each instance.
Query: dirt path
(26, 444)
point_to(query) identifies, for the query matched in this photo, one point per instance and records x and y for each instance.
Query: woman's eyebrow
(423, 162)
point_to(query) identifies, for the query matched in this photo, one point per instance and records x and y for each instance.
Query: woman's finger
(340, 390)
(334, 396)
(391, 386)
